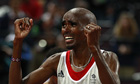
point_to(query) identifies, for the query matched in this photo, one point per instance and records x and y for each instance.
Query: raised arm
(46, 70)
(22, 29)
(107, 63)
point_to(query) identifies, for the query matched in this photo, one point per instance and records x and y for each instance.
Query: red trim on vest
(77, 75)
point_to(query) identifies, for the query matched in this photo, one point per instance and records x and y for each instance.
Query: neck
(80, 56)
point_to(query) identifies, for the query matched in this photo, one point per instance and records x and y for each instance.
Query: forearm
(15, 73)
(105, 73)
(22, 28)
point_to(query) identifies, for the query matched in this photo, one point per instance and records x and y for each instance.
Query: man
(84, 63)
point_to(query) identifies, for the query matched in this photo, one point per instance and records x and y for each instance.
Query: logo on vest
(60, 74)
(93, 79)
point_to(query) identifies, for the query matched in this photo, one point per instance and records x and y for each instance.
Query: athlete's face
(73, 30)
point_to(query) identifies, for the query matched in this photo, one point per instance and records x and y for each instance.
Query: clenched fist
(92, 32)
(22, 27)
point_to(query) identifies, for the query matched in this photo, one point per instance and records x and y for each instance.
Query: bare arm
(107, 64)
(22, 29)
(45, 71)
(108, 67)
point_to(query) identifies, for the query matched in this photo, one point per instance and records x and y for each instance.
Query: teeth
(68, 37)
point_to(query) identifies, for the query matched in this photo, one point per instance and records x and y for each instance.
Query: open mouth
(68, 39)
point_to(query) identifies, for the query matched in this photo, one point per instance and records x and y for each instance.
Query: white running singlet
(66, 75)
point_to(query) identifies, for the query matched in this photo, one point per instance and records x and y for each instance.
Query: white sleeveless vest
(66, 75)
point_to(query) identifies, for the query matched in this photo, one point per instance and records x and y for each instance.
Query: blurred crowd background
(119, 19)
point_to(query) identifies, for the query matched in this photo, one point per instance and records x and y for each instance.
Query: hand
(92, 32)
(22, 27)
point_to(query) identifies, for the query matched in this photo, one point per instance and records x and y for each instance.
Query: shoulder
(109, 55)
(111, 59)
(52, 61)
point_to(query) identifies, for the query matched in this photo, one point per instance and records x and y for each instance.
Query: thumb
(31, 22)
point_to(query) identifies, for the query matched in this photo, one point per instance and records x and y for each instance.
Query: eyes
(72, 24)
(63, 25)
